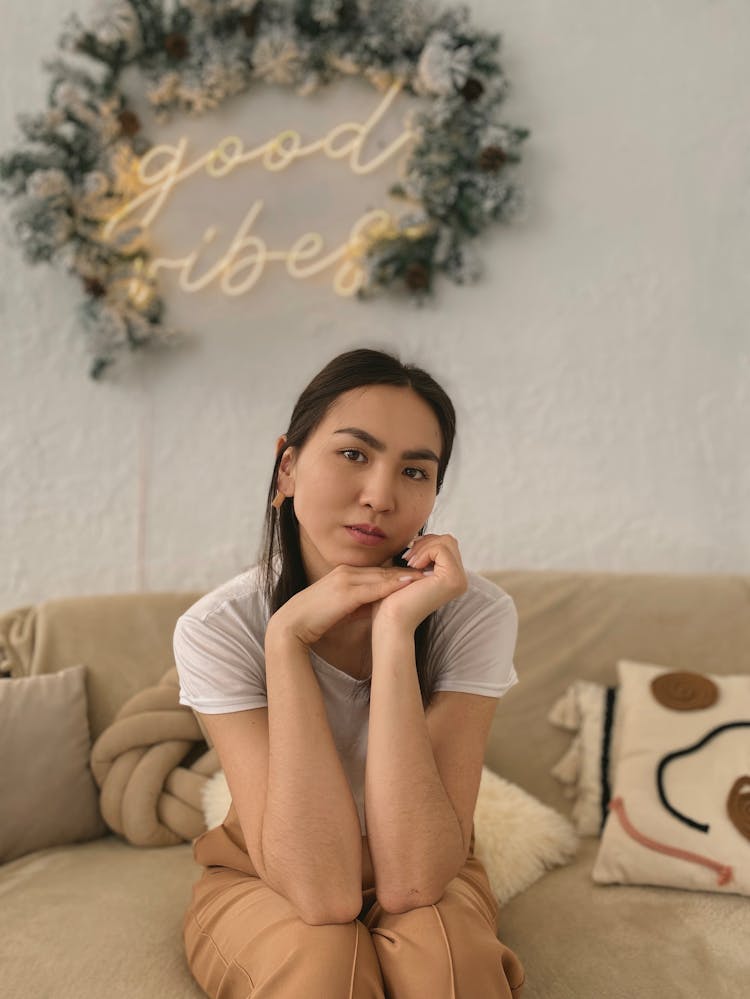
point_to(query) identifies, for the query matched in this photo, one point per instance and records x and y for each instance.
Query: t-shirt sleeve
(221, 667)
(477, 652)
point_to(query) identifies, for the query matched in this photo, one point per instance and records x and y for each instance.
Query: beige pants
(243, 939)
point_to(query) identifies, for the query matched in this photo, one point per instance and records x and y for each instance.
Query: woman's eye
(421, 475)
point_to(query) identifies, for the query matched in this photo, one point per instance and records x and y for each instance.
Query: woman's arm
(311, 834)
(413, 831)
(311, 837)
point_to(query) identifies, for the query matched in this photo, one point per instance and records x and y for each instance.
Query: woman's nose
(378, 491)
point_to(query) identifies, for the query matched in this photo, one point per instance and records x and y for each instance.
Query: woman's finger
(394, 579)
(431, 550)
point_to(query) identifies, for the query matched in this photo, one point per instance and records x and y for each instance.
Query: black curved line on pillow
(684, 752)
(609, 716)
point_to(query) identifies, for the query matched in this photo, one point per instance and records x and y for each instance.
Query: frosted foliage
(117, 23)
(88, 142)
(276, 57)
(443, 68)
(325, 12)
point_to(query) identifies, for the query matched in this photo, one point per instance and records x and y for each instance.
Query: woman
(349, 694)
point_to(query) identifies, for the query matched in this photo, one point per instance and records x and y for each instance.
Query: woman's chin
(367, 561)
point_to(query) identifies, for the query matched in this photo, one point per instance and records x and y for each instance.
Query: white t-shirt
(219, 653)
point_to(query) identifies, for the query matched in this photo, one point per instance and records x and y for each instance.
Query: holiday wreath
(79, 163)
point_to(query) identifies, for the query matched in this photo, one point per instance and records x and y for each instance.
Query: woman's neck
(349, 651)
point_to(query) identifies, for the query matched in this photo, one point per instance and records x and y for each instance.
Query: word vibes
(164, 168)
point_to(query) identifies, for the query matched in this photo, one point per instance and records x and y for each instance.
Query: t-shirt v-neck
(335, 669)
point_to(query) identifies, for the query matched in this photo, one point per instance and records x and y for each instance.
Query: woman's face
(339, 479)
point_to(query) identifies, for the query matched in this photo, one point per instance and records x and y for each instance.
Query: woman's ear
(285, 475)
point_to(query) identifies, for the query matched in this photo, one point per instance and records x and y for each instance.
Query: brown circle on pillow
(738, 805)
(684, 691)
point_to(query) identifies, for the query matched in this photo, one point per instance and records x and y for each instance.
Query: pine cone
(250, 21)
(473, 89)
(129, 122)
(417, 276)
(176, 45)
(94, 287)
(492, 158)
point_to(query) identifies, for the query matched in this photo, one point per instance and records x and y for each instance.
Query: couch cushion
(577, 939)
(97, 919)
(577, 625)
(124, 640)
(110, 919)
(47, 792)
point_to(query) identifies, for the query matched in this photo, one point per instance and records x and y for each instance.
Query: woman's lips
(365, 539)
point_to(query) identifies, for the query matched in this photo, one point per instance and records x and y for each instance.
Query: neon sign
(163, 168)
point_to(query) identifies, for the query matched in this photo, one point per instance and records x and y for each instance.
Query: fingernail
(406, 579)
(428, 572)
(411, 544)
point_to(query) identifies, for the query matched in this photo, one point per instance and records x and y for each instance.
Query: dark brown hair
(282, 572)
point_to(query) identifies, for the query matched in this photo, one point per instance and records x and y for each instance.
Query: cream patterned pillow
(680, 809)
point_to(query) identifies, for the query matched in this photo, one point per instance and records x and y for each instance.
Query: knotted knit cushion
(151, 765)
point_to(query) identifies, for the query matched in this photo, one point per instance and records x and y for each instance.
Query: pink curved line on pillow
(617, 805)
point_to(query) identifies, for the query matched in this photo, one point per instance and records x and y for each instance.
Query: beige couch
(103, 917)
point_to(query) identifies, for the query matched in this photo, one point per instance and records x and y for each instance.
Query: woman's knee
(454, 946)
(335, 960)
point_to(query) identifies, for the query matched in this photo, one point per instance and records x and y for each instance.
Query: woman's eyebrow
(422, 454)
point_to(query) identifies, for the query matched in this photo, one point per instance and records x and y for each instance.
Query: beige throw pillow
(48, 796)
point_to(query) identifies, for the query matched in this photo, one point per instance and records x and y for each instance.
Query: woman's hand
(309, 614)
(439, 555)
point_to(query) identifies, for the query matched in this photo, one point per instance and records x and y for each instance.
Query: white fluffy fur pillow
(517, 837)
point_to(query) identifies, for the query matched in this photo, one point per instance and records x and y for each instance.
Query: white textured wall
(600, 369)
